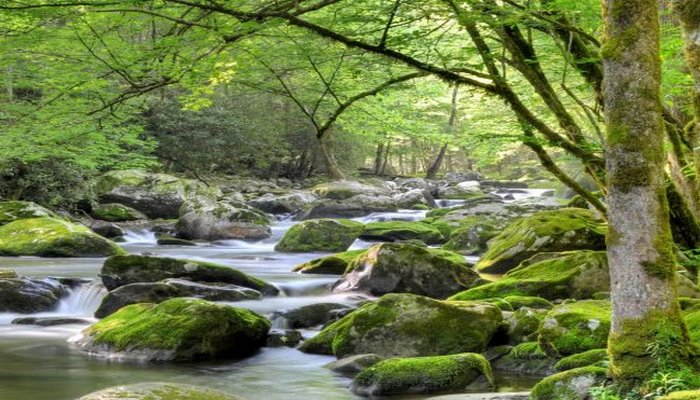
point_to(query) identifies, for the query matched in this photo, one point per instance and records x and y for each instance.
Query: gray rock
(286, 338)
(353, 365)
(26, 295)
(49, 321)
(313, 315)
(158, 391)
(289, 203)
(218, 221)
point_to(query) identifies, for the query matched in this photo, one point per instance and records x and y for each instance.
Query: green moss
(7, 274)
(192, 328)
(116, 213)
(575, 274)
(575, 327)
(683, 395)
(320, 235)
(13, 210)
(335, 264)
(159, 391)
(406, 325)
(422, 374)
(596, 357)
(547, 231)
(51, 237)
(402, 230)
(569, 385)
(529, 351)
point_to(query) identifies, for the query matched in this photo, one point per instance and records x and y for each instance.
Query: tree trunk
(329, 163)
(435, 166)
(640, 248)
(385, 161)
(378, 158)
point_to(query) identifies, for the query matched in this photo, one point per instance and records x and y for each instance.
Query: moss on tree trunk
(640, 247)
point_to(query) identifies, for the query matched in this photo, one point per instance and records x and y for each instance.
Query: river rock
(356, 206)
(407, 325)
(408, 184)
(595, 357)
(26, 295)
(13, 210)
(414, 199)
(49, 321)
(115, 212)
(404, 268)
(220, 221)
(158, 391)
(457, 177)
(177, 330)
(574, 384)
(422, 375)
(402, 230)
(156, 195)
(283, 338)
(553, 276)
(547, 231)
(474, 233)
(573, 328)
(52, 237)
(157, 292)
(526, 358)
(353, 365)
(290, 203)
(122, 270)
(320, 235)
(108, 230)
(462, 190)
(523, 324)
(312, 315)
(335, 264)
(345, 189)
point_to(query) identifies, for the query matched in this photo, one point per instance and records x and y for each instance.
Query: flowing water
(40, 363)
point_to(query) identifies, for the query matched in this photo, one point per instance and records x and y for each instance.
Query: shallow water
(39, 363)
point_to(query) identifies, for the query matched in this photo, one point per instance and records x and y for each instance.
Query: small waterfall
(400, 215)
(141, 237)
(83, 300)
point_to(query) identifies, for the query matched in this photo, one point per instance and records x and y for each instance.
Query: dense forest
(334, 199)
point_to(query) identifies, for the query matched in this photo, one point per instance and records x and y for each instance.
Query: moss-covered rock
(156, 195)
(422, 375)
(353, 365)
(548, 231)
(573, 328)
(13, 210)
(177, 330)
(402, 230)
(158, 391)
(692, 320)
(115, 212)
(7, 273)
(164, 239)
(312, 315)
(157, 292)
(407, 325)
(123, 270)
(220, 221)
(526, 358)
(320, 235)
(52, 237)
(569, 385)
(335, 264)
(553, 276)
(523, 324)
(26, 295)
(596, 357)
(404, 268)
(472, 237)
(461, 190)
(345, 189)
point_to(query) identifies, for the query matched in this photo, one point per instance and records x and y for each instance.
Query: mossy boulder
(11, 211)
(52, 237)
(422, 375)
(335, 264)
(407, 325)
(573, 328)
(125, 269)
(553, 276)
(345, 189)
(115, 212)
(472, 238)
(547, 231)
(320, 235)
(692, 320)
(159, 391)
(462, 190)
(288, 203)
(353, 365)
(177, 330)
(312, 315)
(523, 324)
(682, 395)
(574, 384)
(220, 221)
(404, 268)
(526, 358)
(157, 292)
(26, 295)
(402, 230)
(8, 273)
(595, 357)
(156, 195)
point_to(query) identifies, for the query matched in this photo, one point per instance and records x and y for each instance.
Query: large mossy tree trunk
(640, 247)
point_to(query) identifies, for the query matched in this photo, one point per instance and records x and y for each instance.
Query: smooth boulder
(404, 268)
(402, 230)
(26, 295)
(221, 221)
(573, 328)
(177, 330)
(574, 384)
(115, 212)
(158, 391)
(52, 237)
(407, 325)
(15, 209)
(320, 235)
(334, 264)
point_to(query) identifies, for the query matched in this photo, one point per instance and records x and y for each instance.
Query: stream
(40, 363)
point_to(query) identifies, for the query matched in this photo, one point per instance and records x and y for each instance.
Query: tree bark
(378, 158)
(435, 166)
(640, 248)
(329, 163)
